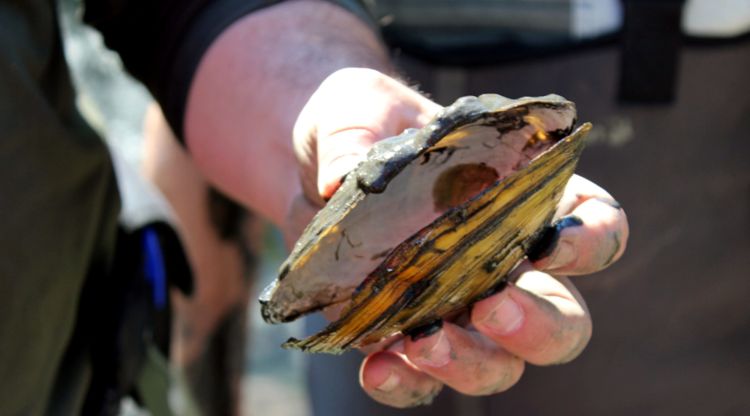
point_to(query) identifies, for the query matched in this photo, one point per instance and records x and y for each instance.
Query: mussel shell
(382, 223)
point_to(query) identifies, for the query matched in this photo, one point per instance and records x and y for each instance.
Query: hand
(352, 109)
(540, 319)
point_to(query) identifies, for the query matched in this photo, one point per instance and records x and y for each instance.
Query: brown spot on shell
(458, 184)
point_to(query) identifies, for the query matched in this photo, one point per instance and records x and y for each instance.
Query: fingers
(465, 360)
(541, 319)
(388, 378)
(344, 140)
(591, 234)
(300, 213)
(351, 109)
(338, 154)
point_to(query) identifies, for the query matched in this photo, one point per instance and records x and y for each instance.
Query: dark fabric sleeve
(161, 42)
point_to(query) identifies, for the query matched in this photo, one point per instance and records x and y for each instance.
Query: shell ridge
(418, 288)
(483, 110)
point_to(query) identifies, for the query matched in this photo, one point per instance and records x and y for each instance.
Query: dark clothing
(162, 42)
(671, 319)
(59, 200)
(59, 206)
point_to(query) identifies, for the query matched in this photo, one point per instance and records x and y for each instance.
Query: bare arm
(250, 87)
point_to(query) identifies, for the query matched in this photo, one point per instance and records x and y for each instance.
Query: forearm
(250, 87)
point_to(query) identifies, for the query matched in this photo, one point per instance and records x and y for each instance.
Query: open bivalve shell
(431, 221)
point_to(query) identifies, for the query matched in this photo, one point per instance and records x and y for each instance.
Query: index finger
(590, 234)
(352, 109)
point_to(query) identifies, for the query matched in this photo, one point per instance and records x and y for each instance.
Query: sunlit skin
(278, 133)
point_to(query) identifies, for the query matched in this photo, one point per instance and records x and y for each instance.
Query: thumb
(338, 154)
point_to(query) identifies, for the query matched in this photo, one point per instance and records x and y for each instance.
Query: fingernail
(505, 318)
(563, 255)
(397, 347)
(424, 331)
(390, 383)
(544, 244)
(548, 242)
(568, 221)
(436, 355)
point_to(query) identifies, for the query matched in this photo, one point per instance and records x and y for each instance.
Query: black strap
(650, 50)
(124, 315)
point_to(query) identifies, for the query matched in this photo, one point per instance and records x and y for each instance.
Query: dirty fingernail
(505, 318)
(390, 383)
(549, 243)
(435, 351)
(424, 331)
(544, 244)
(563, 255)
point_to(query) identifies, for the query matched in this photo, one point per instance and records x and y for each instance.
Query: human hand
(351, 110)
(540, 318)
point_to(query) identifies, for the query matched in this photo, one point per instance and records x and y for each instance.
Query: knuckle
(354, 76)
(499, 381)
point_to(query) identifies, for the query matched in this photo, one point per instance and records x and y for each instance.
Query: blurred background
(115, 104)
(666, 85)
